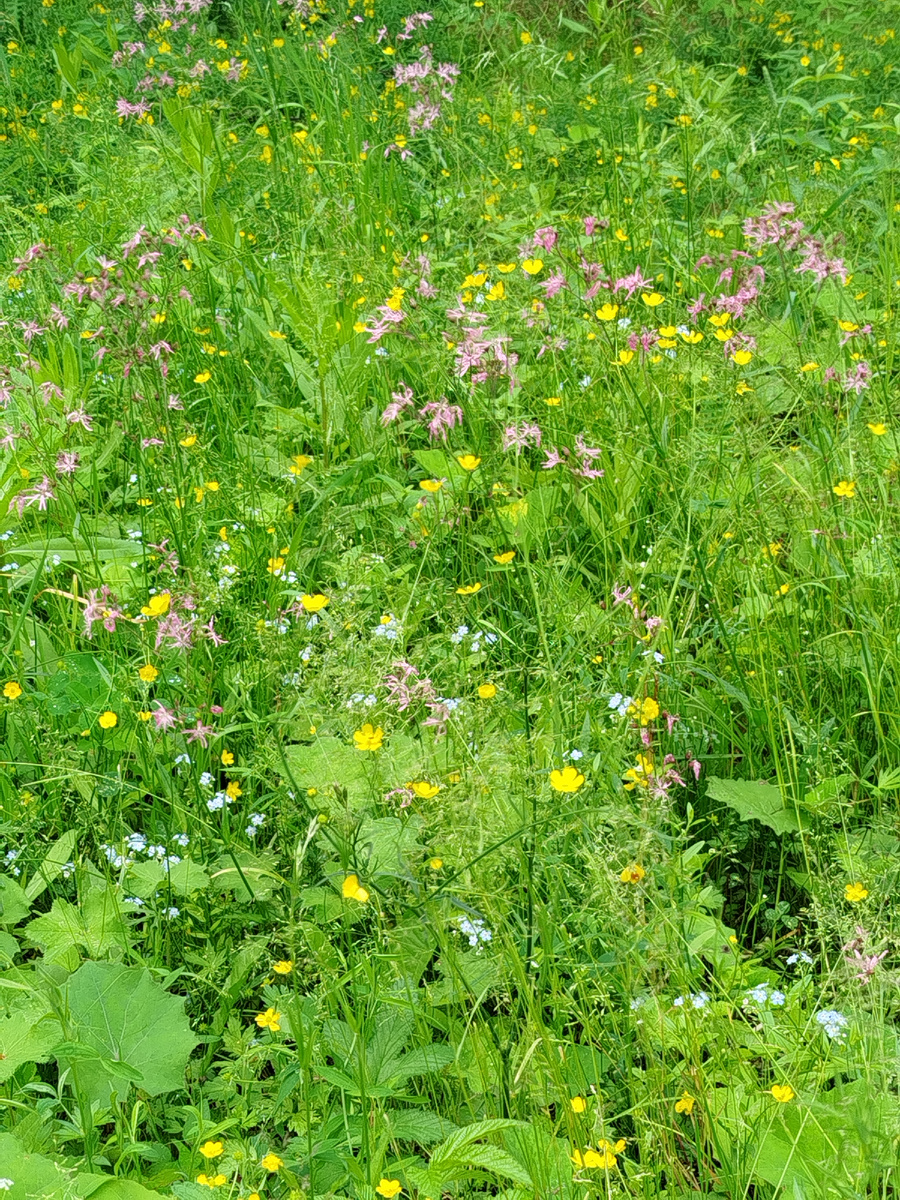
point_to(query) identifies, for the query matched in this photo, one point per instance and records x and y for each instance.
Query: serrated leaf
(387, 844)
(424, 1060)
(754, 801)
(458, 1142)
(14, 904)
(186, 877)
(144, 879)
(28, 1033)
(417, 1125)
(96, 925)
(129, 1019)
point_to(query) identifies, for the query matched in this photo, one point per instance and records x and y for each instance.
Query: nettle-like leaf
(123, 1015)
(383, 1067)
(465, 1155)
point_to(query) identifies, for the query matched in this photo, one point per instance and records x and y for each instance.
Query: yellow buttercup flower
(423, 789)
(435, 863)
(12, 690)
(782, 1092)
(212, 1181)
(644, 711)
(879, 429)
(854, 892)
(431, 485)
(578, 1104)
(368, 738)
(468, 462)
(212, 1149)
(506, 268)
(351, 889)
(569, 779)
(314, 603)
(107, 720)
(157, 605)
(685, 1104)
(271, 1162)
(607, 312)
(533, 266)
(497, 292)
(284, 966)
(741, 357)
(389, 1188)
(652, 299)
(298, 463)
(148, 673)
(269, 1020)
(846, 489)
(469, 589)
(633, 874)
(203, 377)
(604, 1156)
(506, 557)
(487, 691)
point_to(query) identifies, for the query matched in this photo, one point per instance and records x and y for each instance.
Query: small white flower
(6, 1184)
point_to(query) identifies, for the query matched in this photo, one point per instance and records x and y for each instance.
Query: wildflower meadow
(449, 599)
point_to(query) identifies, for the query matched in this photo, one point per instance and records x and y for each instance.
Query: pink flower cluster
(774, 228)
(407, 687)
(441, 415)
(428, 81)
(580, 462)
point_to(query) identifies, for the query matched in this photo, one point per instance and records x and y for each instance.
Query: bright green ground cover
(451, 734)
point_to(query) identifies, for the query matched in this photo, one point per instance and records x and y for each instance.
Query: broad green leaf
(96, 925)
(417, 1125)
(144, 879)
(187, 877)
(387, 844)
(9, 947)
(129, 1019)
(28, 1033)
(328, 762)
(754, 801)
(34, 1176)
(464, 1150)
(59, 854)
(14, 903)
(103, 1187)
(251, 876)
(424, 1060)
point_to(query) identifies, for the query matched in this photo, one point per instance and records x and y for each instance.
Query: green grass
(500, 808)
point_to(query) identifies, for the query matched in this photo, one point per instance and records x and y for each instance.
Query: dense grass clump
(450, 719)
